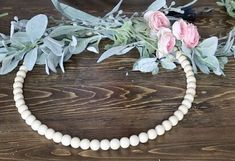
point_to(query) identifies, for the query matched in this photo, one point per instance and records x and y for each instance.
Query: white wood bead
(189, 74)
(30, 119)
(124, 142)
(17, 90)
(85, 144)
(191, 79)
(188, 68)
(152, 134)
(24, 68)
(21, 74)
(18, 96)
(134, 140)
(143, 137)
(19, 103)
(185, 63)
(95, 145)
(179, 115)
(35, 125)
(183, 109)
(57, 137)
(17, 85)
(42, 129)
(75, 142)
(178, 55)
(25, 114)
(174, 121)
(181, 58)
(167, 125)
(189, 97)
(49, 133)
(187, 103)
(19, 79)
(191, 85)
(160, 130)
(22, 108)
(114, 144)
(105, 144)
(66, 140)
(191, 91)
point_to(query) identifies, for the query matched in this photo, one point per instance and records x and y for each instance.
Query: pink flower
(166, 41)
(191, 38)
(156, 20)
(180, 29)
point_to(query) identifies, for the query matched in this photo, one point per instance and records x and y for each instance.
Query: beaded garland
(105, 144)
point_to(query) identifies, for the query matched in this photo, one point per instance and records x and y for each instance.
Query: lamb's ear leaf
(157, 5)
(208, 46)
(146, 65)
(74, 14)
(115, 9)
(31, 58)
(36, 27)
(168, 64)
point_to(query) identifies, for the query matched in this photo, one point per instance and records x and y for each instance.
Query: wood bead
(124, 142)
(143, 137)
(18, 97)
(42, 129)
(25, 114)
(189, 97)
(160, 130)
(21, 74)
(183, 109)
(85, 144)
(17, 90)
(191, 85)
(185, 63)
(19, 103)
(179, 115)
(134, 140)
(191, 91)
(22, 108)
(66, 140)
(114, 144)
(95, 145)
(19, 79)
(189, 74)
(75, 142)
(191, 79)
(174, 121)
(35, 125)
(17, 85)
(57, 137)
(29, 120)
(188, 68)
(167, 125)
(23, 68)
(152, 134)
(49, 133)
(105, 144)
(187, 103)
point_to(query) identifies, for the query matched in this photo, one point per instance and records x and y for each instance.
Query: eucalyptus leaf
(36, 27)
(146, 65)
(157, 5)
(31, 58)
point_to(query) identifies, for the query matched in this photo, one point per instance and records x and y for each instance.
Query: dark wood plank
(100, 101)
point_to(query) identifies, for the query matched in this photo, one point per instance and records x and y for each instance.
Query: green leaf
(168, 64)
(36, 27)
(146, 65)
(157, 5)
(115, 9)
(66, 30)
(31, 58)
(55, 46)
(208, 46)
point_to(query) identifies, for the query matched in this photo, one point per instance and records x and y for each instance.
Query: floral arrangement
(229, 5)
(153, 33)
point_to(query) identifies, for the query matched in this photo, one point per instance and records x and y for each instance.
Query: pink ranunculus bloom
(191, 39)
(166, 41)
(156, 20)
(179, 29)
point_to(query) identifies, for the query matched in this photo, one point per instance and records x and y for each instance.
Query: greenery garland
(229, 5)
(33, 42)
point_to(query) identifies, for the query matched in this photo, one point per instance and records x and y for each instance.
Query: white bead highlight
(105, 144)
(42, 129)
(167, 125)
(19, 79)
(29, 120)
(95, 145)
(21, 74)
(17, 85)
(179, 115)
(160, 130)
(25, 114)
(124, 142)
(18, 97)
(174, 121)
(75, 142)
(85, 144)
(114, 144)
(19, 103)
(66, 140)
(17, 90)
(22, 108)
(152, 134)
(23, 68)
(134, 140)
(57, 137)
(183, 109)
(36, 124)
(187, 103)
(49, 133)
(143, 137)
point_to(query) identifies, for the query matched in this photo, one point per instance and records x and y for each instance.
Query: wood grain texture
(100, 101)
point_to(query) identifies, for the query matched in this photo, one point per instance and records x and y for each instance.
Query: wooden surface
(100, 101)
